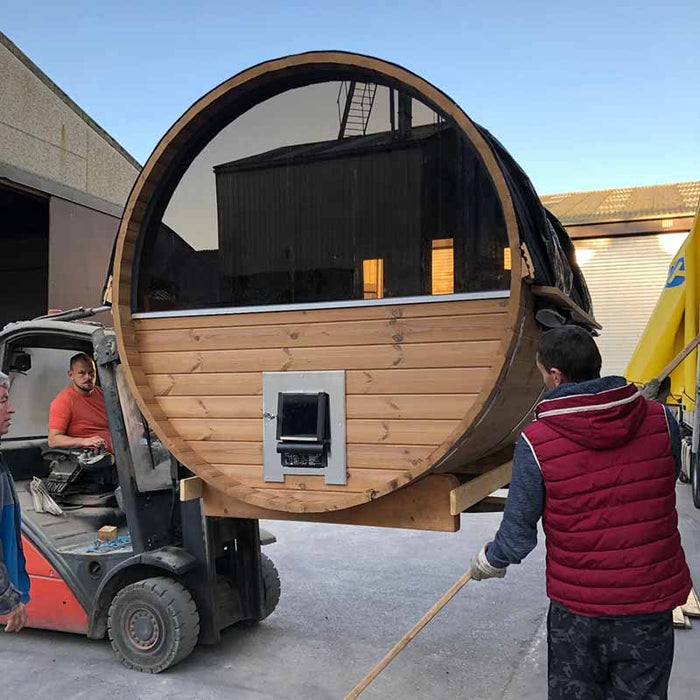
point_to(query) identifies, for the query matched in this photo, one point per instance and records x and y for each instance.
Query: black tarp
(548, 244)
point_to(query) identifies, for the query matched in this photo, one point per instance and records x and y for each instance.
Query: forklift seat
(80, 477)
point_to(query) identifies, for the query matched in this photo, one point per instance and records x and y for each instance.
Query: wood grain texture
(365, 357)
(223, 429)
(358, 480)
(390, 432)
(451, 380)
(312, 335)
(368, 456)
(381, 406)
(423, 505)
(386, 312)
(480, 487)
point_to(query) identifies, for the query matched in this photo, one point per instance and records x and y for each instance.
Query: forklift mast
(180, 539)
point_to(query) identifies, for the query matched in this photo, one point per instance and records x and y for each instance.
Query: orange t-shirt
(78, 415)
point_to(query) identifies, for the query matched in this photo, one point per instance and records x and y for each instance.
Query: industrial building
(63, 184)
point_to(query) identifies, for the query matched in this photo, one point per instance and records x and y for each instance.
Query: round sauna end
(318, 293)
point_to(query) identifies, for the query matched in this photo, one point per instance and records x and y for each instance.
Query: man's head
(567, 355)
(6, 408)
(82, 372)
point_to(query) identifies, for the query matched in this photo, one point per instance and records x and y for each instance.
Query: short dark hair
(572, 350)
(81, 357)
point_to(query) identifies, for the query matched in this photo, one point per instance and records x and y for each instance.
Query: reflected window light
(443, 266)
(507, 262)
(584, 256)
(670, 243)
(373, 279)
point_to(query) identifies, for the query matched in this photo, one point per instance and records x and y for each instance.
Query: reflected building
(381, 215)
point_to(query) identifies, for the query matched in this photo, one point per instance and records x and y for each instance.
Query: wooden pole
(409, 636)
(651, 389)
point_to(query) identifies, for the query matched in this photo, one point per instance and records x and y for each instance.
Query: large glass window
(343, 190)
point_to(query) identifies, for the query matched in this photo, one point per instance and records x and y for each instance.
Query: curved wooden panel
(418, 376)
(468, 380)
(391, 437)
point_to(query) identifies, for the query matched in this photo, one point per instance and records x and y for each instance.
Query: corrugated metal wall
(327, 215)
(625, 277)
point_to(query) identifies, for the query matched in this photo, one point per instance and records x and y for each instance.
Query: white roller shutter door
(625, 277)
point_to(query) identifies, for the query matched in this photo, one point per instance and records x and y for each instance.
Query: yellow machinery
(674, 323)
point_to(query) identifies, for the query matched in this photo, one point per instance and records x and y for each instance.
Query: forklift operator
(78, 417)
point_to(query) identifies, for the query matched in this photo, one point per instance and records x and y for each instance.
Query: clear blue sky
(585, 95)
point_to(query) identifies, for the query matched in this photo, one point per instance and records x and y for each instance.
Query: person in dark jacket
(14, 582)
(599, 466)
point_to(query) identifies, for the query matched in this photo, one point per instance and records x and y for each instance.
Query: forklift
(173, 577)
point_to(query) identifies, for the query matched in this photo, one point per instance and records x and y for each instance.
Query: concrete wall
(43, 132)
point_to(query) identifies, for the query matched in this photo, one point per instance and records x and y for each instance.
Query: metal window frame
(353, 303)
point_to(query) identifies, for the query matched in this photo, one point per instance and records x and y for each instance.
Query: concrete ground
(348, 594)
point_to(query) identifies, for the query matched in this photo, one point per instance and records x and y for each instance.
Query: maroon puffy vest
(610, 520)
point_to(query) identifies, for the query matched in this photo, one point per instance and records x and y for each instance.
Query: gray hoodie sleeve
(517, 535)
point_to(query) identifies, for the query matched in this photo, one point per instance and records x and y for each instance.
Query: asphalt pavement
(348, 594)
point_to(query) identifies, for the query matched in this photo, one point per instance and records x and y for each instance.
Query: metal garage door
(625, 277)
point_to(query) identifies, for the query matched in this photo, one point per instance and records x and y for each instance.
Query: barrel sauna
(327, 286)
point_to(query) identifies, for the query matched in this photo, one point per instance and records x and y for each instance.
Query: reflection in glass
(373, 279)
(506, 259)
(335, 191)
(443, 266)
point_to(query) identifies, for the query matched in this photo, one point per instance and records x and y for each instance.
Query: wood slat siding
(359, 456)
(365, 357)
(406, 406)
(352, 333)
(413, 373)
(390, 432)
(462, 380)
(359, 480)
(352, 313)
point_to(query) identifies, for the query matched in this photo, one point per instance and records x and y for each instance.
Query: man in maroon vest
(599, 466)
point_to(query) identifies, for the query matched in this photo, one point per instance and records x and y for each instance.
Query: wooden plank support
(422, 505)
(490, 504)
(471, 492)
(191, 488)
(679, 619)
(558, 298)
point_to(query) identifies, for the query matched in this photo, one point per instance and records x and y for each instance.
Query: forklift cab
(172, 577)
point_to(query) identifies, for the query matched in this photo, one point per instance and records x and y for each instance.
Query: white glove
(481, 569)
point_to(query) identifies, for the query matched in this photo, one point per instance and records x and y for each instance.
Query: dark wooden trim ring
(164, 167)
(559, 299)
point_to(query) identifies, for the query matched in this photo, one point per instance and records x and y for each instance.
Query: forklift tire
(271, 585)
(153, 624)
(686, 462)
